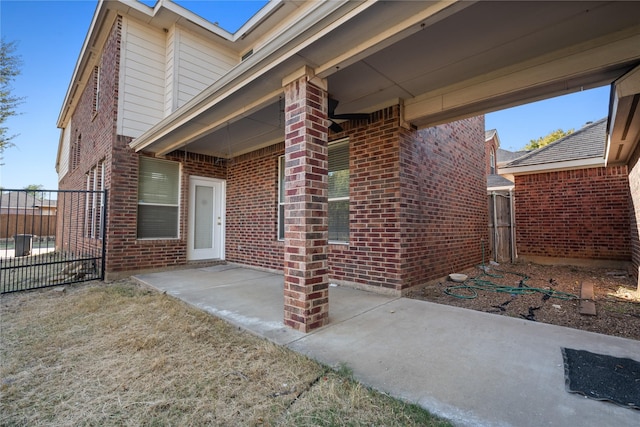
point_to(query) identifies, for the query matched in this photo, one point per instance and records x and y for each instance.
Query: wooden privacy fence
(502, 226)
(27, 223)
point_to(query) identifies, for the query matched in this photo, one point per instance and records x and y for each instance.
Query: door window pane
(203, 238)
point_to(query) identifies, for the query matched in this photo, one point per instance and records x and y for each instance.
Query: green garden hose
(469, 289)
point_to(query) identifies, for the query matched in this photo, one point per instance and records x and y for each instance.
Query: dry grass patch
(120, 354)
(337, 400)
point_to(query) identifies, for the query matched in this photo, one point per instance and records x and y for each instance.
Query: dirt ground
(548, 294)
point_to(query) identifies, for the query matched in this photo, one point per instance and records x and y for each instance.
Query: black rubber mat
(602, 377)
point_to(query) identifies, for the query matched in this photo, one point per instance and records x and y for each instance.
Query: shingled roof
(498, 182)
(505, 156)
(587, 143)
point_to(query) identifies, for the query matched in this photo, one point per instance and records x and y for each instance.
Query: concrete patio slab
(476, 369)
(253, 299)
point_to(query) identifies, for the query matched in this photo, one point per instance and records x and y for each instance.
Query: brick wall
(444, 207)
(99, 143)
(418, 202)
(93, 127)
(406, 227)
(634, 212)
(252, 208)
(372, 257)
(125, 252)
(574, 214)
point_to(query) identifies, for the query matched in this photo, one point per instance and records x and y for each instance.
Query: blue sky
(49, 36)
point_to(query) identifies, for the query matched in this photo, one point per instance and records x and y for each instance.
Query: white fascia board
(257, 19)
(553, 167)
(196, 19)
(98, 15)
(501, 188)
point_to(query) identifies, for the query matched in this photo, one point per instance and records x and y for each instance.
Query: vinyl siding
(142, 78)
(161, 71)
(199, 64)
(170, 100)
(63, 165)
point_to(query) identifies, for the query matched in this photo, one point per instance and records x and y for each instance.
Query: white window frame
(88, 219)
(281, 179)
(173, 205)
(93, 204)
(344, 141)
(100, 207)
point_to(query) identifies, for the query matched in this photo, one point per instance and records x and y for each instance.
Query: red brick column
(306, 290)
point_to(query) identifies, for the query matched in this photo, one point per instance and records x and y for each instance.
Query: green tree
(547, 139)
(35, 190)
(10, 64)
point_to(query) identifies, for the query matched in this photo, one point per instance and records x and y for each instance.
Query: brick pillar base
(306, 290)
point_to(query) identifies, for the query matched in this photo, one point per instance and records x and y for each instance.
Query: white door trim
(219, 219)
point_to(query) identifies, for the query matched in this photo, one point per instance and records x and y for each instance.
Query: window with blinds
(338, 193)
(94, 201)
(158, 199)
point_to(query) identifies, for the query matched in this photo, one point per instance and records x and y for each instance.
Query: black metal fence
(50, 238)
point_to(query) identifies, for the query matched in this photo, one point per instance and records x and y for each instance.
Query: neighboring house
(329, 140)
(13, 202)
(21, 212)
(495, 159)
(569, 206)
(506, 156)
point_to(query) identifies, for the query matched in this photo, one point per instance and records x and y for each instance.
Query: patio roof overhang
(624, 119)
(440, 60)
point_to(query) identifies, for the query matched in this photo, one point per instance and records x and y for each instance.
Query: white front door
(206, 218)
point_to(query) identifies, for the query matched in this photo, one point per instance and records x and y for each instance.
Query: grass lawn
(120, 354)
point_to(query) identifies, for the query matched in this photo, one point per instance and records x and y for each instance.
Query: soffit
(476, 41)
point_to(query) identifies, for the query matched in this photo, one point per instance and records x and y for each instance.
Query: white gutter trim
(491, 190)
(257, 19)
(556, 166)
(191, 16)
